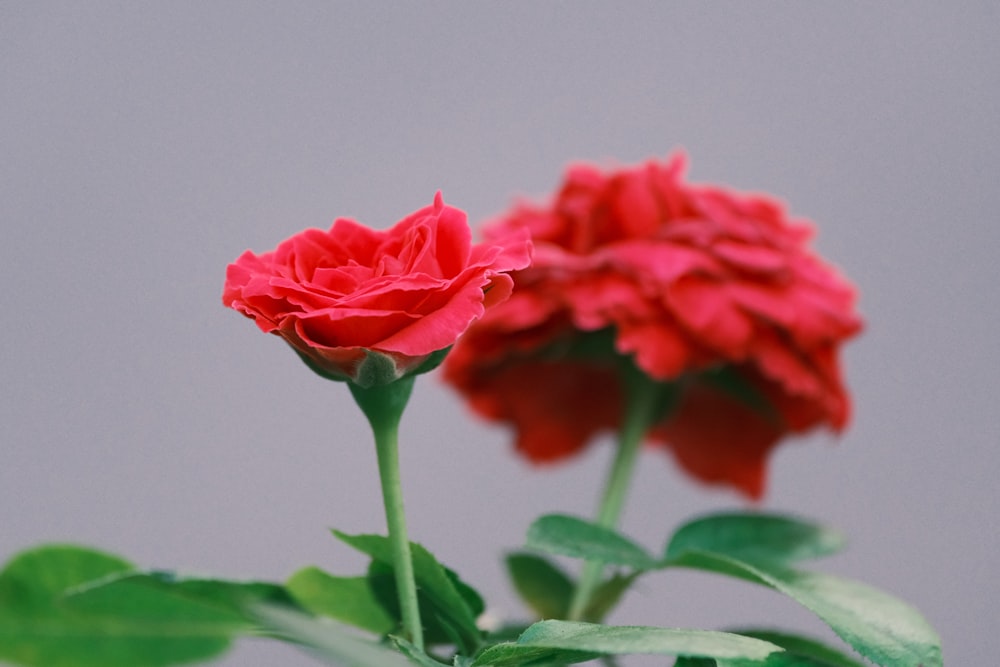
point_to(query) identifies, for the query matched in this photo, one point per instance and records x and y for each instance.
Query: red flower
(368, 305)
(714, 291)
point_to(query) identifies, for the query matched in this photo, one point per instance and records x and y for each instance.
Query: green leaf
(218, 603)
(571, 536)
(804, 647)
(799, 652)
(473, 600)
(455, 604)
(695, 662)
(880, 627)
(756, 536)
(607, 595)
(543, 586)
(327, 639)
(348, 599)
(569, 642)
(40, 626)
(773, 660)
(415, 655)
(507, 632)
(438, 627)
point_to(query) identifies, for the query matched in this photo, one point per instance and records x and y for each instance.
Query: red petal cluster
(698, 284)
(404, 292)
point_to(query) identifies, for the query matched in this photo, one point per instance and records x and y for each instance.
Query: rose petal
(706, 309)
(732, 450)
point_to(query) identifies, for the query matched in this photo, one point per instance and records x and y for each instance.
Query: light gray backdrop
(143, 146)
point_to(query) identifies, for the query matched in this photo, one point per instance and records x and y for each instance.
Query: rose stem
(644, 401)
(383, 405)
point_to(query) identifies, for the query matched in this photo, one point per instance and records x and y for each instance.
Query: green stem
(383, 405)
(644, 402)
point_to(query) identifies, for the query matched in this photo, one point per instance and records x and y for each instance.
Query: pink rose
(713, 291)
(371, 306)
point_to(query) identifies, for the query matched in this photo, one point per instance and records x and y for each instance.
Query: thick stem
(643, 404)
(383, 405)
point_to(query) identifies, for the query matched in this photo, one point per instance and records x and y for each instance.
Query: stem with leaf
(384, 405)
(645, 402)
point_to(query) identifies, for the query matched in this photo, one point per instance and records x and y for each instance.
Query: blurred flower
(371, 306)
(712, 291)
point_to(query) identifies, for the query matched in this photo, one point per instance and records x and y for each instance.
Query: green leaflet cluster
(63, 606)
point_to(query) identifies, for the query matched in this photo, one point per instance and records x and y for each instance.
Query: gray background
(145, 146)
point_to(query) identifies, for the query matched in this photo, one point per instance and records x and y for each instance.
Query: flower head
(713, 291)
(370, 306)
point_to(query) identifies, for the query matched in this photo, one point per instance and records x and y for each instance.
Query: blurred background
(144, 146)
